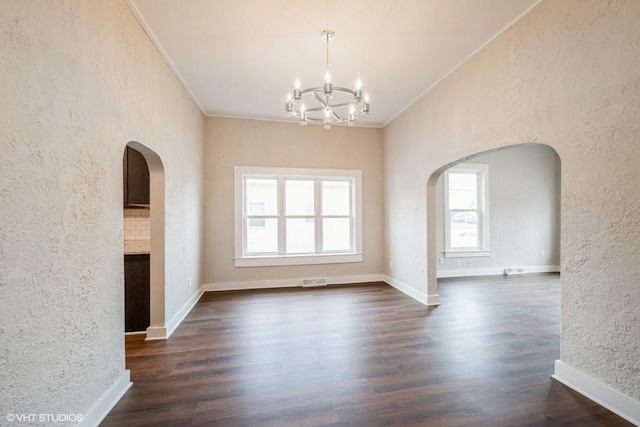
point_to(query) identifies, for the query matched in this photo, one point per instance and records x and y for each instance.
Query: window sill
(467, 254)
(279, 260)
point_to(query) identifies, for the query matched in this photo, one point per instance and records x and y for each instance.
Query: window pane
(463, 191)
(262, 196)
(464, 229)
(301, 236)
(300, 197)
(336, 197)
(262, 235)
(336, 234)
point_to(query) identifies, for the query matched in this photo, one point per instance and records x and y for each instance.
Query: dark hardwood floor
(361, 355)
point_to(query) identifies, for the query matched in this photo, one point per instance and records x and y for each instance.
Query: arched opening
(156, 208)
(520, 174)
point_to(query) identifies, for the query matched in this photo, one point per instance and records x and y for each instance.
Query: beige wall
(80, 79)
(568, 76)
(238, 142)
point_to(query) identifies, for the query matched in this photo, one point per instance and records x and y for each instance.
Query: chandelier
(327, 103)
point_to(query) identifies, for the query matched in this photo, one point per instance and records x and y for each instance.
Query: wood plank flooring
(361, 355)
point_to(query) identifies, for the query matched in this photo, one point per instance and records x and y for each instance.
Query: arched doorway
(528, 166)
(156, 329)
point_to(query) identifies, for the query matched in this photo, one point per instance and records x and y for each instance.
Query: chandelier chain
(328, 53)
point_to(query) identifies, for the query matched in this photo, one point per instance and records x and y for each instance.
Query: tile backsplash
(136, 224)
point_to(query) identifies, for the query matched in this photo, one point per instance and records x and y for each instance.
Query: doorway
(146, 201)
(518, 228)
(137, 237)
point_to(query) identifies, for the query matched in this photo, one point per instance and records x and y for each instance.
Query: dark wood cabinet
(136, 179)
(137, 285)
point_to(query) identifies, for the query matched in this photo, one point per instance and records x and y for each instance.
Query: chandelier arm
(344, 104)
(309, 118)
(311, 89)
(320, 100)
(345, 90)
(315, 120)
(314, 110)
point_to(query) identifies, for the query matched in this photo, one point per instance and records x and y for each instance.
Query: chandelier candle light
(348, 104)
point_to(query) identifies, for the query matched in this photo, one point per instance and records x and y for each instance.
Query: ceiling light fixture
(327, 104)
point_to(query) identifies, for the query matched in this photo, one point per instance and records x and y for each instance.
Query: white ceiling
(238, 58)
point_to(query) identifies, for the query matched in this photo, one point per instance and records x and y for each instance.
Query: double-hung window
(466, 210)
(297, 216)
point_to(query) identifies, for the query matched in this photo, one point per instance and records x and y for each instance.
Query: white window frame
(483, 250)
(241, 259)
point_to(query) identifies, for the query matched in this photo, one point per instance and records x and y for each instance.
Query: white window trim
(483, 212)
(242, 260)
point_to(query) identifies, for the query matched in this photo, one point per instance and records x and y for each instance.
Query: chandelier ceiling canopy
(327, 103)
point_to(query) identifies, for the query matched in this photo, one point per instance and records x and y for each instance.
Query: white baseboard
(107, 401)
(428, 300)
(495, 271)
(164, 332)
(288, 283)
(602, 394)
(177, 318)
(156, 333)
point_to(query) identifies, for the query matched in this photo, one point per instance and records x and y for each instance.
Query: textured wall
(237, 142)
(568, 75)
(80, 79)
(524, 210)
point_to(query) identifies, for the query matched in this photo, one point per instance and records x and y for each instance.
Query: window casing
(297, 216)
(466, 215)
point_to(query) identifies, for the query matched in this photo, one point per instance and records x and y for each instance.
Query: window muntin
(302, 213)
(466, 210)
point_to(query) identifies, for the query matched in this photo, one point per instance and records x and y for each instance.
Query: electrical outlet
(390, 264)
(542, 252)
(441, 260)
(189, 282)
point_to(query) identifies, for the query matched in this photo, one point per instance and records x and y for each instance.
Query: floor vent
(314, 282)
(512, 271)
